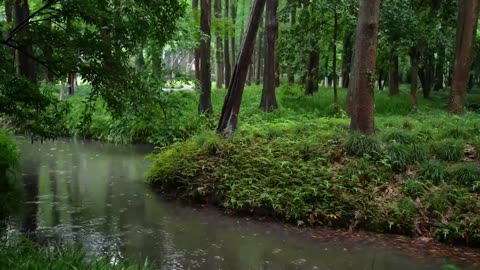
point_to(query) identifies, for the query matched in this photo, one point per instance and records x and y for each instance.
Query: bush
(466, 174)
(449, 150)
(400, 137)
(9, 156)
(398, 157)
(434, 171)
(361, 145)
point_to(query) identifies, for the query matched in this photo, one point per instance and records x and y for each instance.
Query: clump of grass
(466, 174)
(398, 157)
(417, 153)
(400, 136)
(457, 133)
(24, 254)
(434, 171)
(413, 188)
(362, 145)
(449, 150)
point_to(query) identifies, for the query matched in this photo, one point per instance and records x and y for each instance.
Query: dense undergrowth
(419, 175)
(8, 156)
(29, 256)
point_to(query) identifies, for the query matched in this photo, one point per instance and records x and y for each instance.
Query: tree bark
(363, 72)
(9, 20)
(466, 33)
(232, 39)
(231, 106)
(226, 53)
(71, 83)
(25, 64)
(414, 55)
(311, 85)
(426, 73)
(205, 104)
(393, 80)
(197, 50)
(291, 73)
(218, 48)
(440, 70)
(269, 100)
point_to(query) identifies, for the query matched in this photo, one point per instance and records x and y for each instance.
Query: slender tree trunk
(334, 55)
(260, 49)
(291, 72)
(25, 64)
(226, 53)
(197, 50)
(393, 80)
(347, 58)
(231, 106)
(62, 90)
(311, 85)
(205, 104)
(414, 55)
(269, 100)
(440, 70)
(380, 79)
(71, 84)
(363, 72)
(9, 20)
(466, 33)
(233, 10)
(218, 48)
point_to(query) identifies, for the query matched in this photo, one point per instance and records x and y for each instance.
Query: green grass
(9, 157)
(300, 163)
(25, 255)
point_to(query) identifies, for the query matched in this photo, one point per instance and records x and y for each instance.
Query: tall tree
(218, 47)
(197, 50)
(363, 73)
(205, 104)
(259, 55)
(334, 55)
(226, 46)
(269, 100)
(414, 55)
(24, 50)
(233, 11)
(393, 75)
(347, 53)
(231, 106)
(466, 33)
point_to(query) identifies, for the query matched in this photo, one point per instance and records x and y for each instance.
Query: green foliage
(400, 137)
(466, 174)
(458, 133)
(24, 255)
(448, 150)
(413, 188)
(398, 156)
(361, 145)
(434, 171)
(9, 156)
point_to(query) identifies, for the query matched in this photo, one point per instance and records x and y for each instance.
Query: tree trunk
(269, 100)
(258, 75)
(197, 50)
(218, 48)
(466, 33)
(311, 85)
(363, 72)
(9, 20)
(205, 104)
(231, 106)
(380, 79)
(291, 73)
(226, 53)
(413, 79)
(232, 39)
(393, 80)
(347, 58)
(334, 55)
(440, 70)
(71, 84)
(426, 73)
(24, 61)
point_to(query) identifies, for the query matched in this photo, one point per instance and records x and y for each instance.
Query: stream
(93, 195)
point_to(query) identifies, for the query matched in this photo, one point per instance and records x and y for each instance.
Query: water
(93, 195)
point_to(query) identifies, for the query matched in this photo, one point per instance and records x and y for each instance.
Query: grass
(25, 255)
(301, 165)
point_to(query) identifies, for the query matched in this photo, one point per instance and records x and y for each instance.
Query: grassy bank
(419, 175)
(25, 255)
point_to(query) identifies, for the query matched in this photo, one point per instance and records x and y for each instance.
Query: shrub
(434, 171)
(362, 145)
(413, 188)
(9, 156)
(466, 174)
(417, 153)
(400, 136)
(457, 133)
(449, 150)
(398, 157)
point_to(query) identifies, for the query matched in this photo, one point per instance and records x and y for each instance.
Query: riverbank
(418, 176)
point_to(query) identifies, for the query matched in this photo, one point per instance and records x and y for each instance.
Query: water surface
(93, 195)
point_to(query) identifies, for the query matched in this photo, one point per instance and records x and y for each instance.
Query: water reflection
(92, 195)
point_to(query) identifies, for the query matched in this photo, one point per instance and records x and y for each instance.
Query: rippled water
(93, 195)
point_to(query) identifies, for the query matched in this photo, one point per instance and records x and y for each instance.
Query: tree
(363, 72)
(205, 104)
(24, 51)
(218, 46)
(231, 105)
(226, 46)
(197, 50)
(269, 100)
(466, 32)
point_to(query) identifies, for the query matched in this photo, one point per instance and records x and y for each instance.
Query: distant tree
(269, 100)
(226, 46)
(205, 104)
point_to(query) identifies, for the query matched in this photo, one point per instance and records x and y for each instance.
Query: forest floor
(418, 176)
